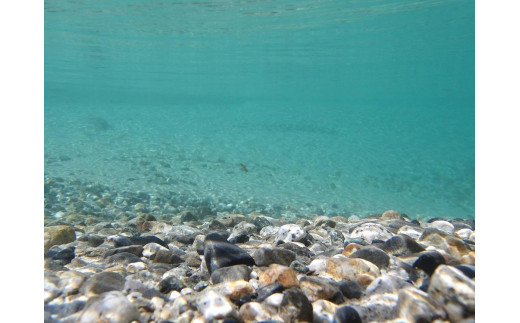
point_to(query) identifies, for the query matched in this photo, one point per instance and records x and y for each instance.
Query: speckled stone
(255, 312)
(371, 231)
(455, 291)
(279, 274)
(110, 307)
(233, 290)
(291, 232)
(402, 245)
(343, 268)
(295, 306)
(323, 311)
(57, 235)
(415, 306)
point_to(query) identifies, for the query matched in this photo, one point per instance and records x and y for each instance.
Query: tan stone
(351, 248)
(58, 234)
(279, 274)
(343, 268)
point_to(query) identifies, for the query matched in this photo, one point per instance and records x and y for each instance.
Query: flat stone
(391, 215)
(444, 226)
(58, 235)
(295, 306)
(266, 256)
(386, 284)
(166, 257)
(374, 255)
(230, 274)
(233, 290)
(350, 289)
(103, 282)
(110, 307)
(454, 291)
(256, 312)
(218, 254)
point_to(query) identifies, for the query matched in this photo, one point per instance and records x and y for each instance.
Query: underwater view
(199, 130)
(335, 108)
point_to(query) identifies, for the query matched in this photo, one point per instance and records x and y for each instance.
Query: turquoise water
(335, 107)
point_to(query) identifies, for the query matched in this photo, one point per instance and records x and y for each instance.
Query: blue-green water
(336, 107)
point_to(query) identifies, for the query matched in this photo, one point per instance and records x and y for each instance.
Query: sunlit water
(335, 107)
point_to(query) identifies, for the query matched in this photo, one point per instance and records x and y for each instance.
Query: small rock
(415, 306)
(428, 261)
(103, 282)
(299, 267)
(316, 288)
(123, 258)
(350, 289)
(255, 312)
(343, 268)
(166, 257)
(295, 306)
(279, 274)
(386, 284)
(454, 291)
(323, 311)
(371, 231)
(374, 255)
(323, 220)
(411, 231)
(390, 215)
(214, 306)
(111, 307)
(402, 245)
(57, 235)
(346, 314)
(267, 256)
(350, 248)
(230, 274)
(443, 226)
(218, 254)
(291, 232)
(268, 290)
(233, 290)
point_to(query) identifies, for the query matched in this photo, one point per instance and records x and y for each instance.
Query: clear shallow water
(347, 107)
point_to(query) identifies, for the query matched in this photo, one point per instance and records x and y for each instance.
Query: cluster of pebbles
(258, 268)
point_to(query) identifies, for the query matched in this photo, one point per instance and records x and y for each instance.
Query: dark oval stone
(134, 249)
(218, 254)
(351, 289)
(295, 306)
(65, 255)
(217, 236)
(267, 256)
(428, 261)
(301, 251)
(374, 255)
(299, 267)
(346, 314)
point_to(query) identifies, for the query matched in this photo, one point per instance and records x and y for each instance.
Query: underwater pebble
(279, 274)
(454, 291)
(109, 307)
(371, 231)
(58, 235)
(218, 254)
(291, 232)
(267, 256)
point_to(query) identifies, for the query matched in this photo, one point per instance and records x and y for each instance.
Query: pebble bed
(122, 263)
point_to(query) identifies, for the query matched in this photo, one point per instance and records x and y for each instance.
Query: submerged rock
(218, 254)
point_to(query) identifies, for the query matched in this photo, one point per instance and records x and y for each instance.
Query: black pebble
(123, 258)
(218, 254)
(429, 261)
(142, 240)
(241, 238)
(351, 289)
(346, 314)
